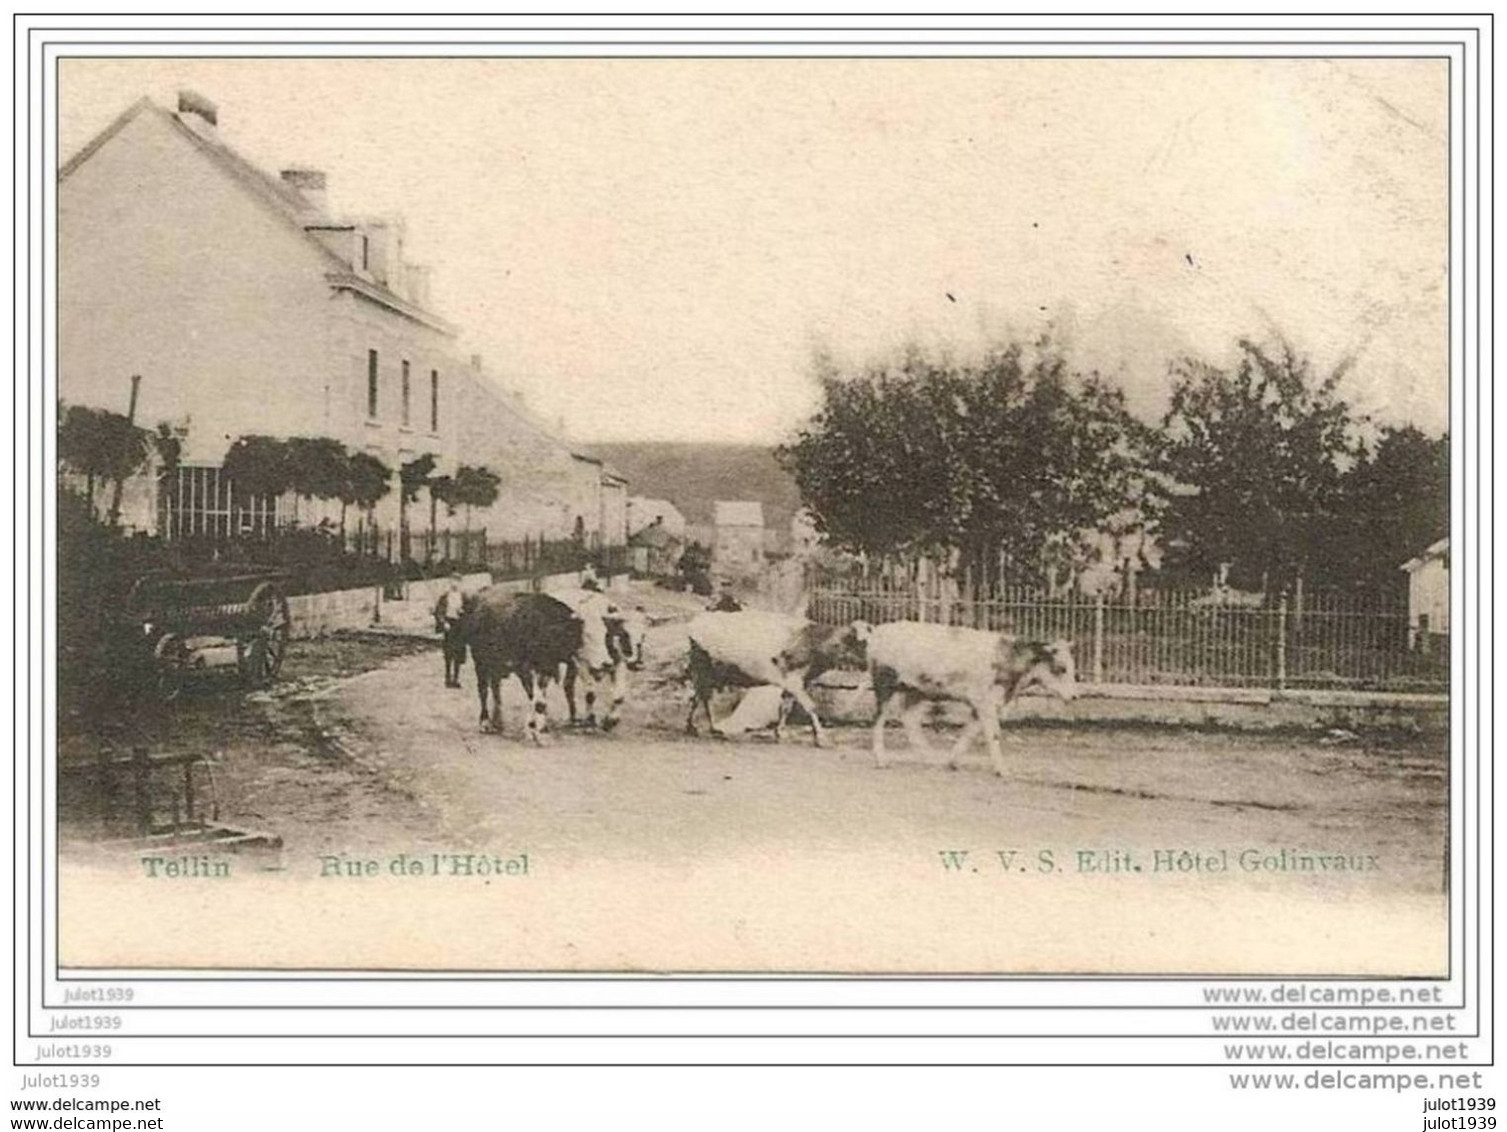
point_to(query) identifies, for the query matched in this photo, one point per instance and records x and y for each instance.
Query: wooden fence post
(1282, 643)
(1099, 638)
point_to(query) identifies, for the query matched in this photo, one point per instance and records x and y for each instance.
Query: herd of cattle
(585, 637)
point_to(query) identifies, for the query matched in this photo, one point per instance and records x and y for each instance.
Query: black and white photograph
(756, 516)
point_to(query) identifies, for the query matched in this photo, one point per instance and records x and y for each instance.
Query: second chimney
(310, 184)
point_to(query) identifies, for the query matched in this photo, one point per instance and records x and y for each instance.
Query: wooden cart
(204, 623)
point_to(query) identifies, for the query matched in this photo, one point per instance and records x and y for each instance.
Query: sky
(654, 249)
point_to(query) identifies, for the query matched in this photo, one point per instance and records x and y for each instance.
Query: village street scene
(551, 530)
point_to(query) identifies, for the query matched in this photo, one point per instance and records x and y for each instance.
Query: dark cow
(535, 637)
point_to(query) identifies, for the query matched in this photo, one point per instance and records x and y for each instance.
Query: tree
(1396, 503)
(1252, 461)
(470, 487)
(317, 466)
(367, 480)
(105, 446)
(999, 466)
(413, 477)
(259, 465)
(169, 444)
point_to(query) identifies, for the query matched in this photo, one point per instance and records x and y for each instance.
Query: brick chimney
(310, 184)
(198, 113)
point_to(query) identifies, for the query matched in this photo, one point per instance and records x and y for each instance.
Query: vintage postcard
(931, 516)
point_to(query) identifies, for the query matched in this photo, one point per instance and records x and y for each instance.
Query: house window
(366, 250)
(407, 399)
(371, 384)
(434, 400)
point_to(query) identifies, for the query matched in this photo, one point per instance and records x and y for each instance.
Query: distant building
(614, 520)
(738, 546)
(643, 511)
(655, 550)
(1428, 597)
(598, 502)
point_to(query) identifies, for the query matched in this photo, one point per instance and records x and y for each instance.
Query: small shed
(1428, 597)
(655, 550)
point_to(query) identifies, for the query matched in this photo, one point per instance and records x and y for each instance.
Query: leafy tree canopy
(317, 466)
(1396, 502)
(101, 444)
(415, 475)
(1252, 462)
(368, 480)
(999, 460)
(259, 465)
(476, 485)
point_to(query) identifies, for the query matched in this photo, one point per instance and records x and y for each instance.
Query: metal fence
(528, 557)
(458, 548)
(201, 504)
(1326, 639)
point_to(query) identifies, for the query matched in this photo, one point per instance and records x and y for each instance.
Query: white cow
(751, 648)
(920, 664)
(622, 632)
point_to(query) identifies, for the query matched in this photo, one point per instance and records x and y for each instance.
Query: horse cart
(167, 628)
(209, 623)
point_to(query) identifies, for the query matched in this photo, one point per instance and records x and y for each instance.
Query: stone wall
(314, 615)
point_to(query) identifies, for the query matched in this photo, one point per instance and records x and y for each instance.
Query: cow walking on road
(918, 665)
(752, 648)
(625, 632)
(535, 637)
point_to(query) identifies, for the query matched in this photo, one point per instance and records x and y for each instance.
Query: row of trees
(104, 447)
(322, 468)
(1019, 462)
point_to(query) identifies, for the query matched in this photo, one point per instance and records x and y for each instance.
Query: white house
(1428, 595)
(738, 538)
(247, 307)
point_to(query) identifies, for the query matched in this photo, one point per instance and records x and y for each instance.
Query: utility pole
(120, 481)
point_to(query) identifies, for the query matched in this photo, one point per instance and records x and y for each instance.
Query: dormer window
(366, 252)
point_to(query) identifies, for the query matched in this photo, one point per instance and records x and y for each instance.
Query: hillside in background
(693, 476)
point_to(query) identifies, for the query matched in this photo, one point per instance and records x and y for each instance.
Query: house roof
(272, 192)
(653, 535)
(738, 513)
(608, 471)
(653, 504)
(1440, 549)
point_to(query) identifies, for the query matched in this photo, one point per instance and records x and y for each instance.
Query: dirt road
(1104, 849)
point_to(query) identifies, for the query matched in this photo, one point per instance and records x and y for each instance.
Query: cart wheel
(171, 660)
(261, 657)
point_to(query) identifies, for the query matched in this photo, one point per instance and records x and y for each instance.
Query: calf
(752, 648)
(920, 664)
(534, 636)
